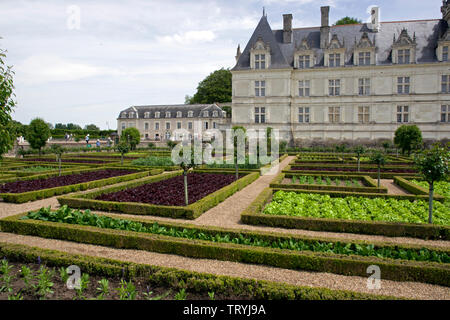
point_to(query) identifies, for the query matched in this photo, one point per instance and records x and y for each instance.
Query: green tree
(71, 126)
(347, 20)
(408, 138)
(433, 166)
(60, 126)
(216, 87)
(186, 165)
(380, 160)
(386, 146)
(37, 134)
(7, 104)
(359, 150)
(91, 127)
(123, 147)
(131, 136)
(341, 148)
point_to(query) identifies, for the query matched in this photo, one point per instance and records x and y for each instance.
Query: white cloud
(188, 38)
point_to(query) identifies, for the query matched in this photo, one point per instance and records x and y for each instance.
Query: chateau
(345, 82)
(165, 122)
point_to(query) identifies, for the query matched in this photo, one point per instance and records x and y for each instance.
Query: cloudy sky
(140, 52)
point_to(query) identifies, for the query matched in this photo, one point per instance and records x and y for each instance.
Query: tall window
(334, 114)
(260, 115)
(303, 62)
(334, 60)
(402, 114)
(403, 85)
(334, 87)
(364, 58)
(364, 86)
(260, 61)
(167, 125)
(124, 125)
(445, 53)
(214, 125)
(445, 83)
(404, 56)
(445, 113)
(363, 114)
(156, 125)
(206, 125)
(303, 88)
(178, 125)
(303, 114)
(146, 126)
(190, 125)
(260, 88)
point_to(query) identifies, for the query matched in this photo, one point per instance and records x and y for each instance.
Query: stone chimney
(325, 27)
(445, 9)
(287, 28)
(375, 18)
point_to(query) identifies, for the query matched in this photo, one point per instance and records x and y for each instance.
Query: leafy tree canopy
(131, 136)
(216, 87)
(37, 134)
(347, 20)
(433, 164)
(7, 104)
(92, 127)
(408, 138)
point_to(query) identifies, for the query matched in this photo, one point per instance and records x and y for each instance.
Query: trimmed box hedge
(428, 272)
(192, 211)
(253, 215)
(177, 278)
(371, 188)
(416, 189)
(50, 192)
(383, 175)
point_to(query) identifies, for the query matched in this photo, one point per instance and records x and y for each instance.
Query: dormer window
(334, 60)
(445, 53)
(190, 114)
(167, 114)
(364, 52)
(364, 58)
(303, 56)
(131, 114)
(215, 114)
(179, 114)
(205, 114)
(335, 53)
(146, 114)
(157, 114)
(260, 61)
(123, 115)
(304, 62)
(404, 49)
(260, 55)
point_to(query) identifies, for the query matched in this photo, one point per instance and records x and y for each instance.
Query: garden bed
(248, 247)
(169, 190)
(44, 186)
(355, 220)
(68, 160)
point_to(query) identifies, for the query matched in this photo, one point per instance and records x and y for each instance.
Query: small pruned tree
(123, 148)
(171, 144)
(37, 134)
(132, 137)
(386, 146)
(58, 151)
(341, 148)
(433, 166)
(187, 164)
(408, 138)
(236, 154)
(359, 150)
(380, 160)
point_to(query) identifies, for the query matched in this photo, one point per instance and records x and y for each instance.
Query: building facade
(349, 82)
(169, 122)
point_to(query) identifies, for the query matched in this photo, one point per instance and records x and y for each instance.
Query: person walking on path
(87, 139)
(98, 145)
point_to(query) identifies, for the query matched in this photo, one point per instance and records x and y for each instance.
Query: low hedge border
(383, 175)
(349, 165)
(372, 185)
(253, 215)
(179, 279)
(416, 189)
(50, 192)
(192, 211)
(428, 272)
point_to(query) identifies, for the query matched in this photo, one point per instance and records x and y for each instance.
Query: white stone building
(350, 82)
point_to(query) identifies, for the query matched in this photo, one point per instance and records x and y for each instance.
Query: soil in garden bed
(38, 184)
(353, 169)
(61, 292)
(170, 192)
(67, 160)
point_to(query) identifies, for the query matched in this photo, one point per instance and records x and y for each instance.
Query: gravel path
(392, 187)
(413, 290)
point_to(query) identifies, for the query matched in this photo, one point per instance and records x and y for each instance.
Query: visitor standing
(87, 139)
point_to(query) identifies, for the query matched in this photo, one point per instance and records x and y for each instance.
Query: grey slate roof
(173, 109)
(427, 33)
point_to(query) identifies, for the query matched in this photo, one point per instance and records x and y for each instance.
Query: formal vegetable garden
(325, 180)
(351, 169)
(170, 192)
(65, 180)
